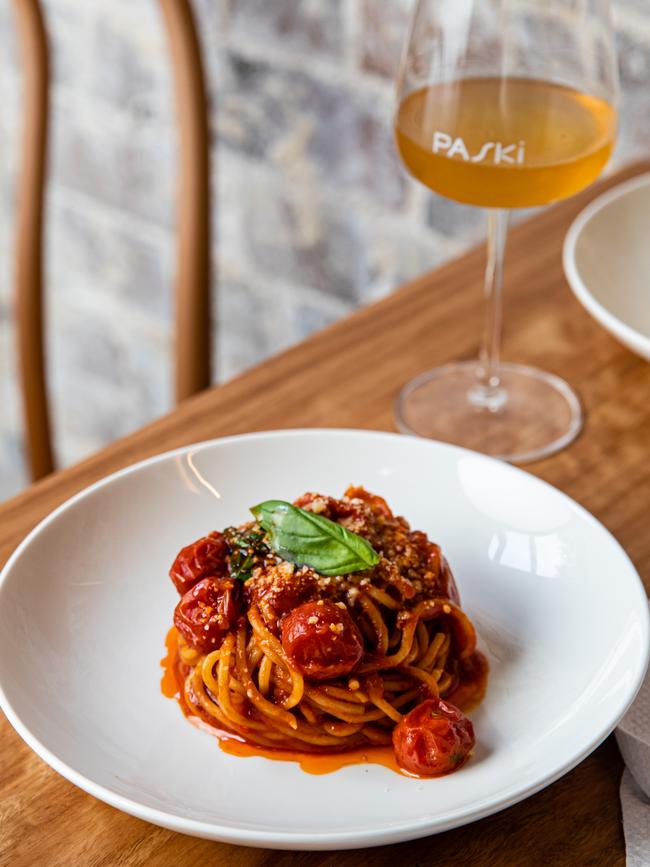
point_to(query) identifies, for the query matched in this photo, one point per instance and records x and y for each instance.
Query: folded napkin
(633, 737)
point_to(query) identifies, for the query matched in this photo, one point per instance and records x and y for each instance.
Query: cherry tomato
(335, 510)
(280, 590)
(307, 499)
(378, 504)
(435, 738)
(433, 562)
(447, 582)
(321, 640)
(207, 611)
(205, 557)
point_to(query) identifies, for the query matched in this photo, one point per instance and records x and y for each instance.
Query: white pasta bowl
(85, 603)
(607, 262)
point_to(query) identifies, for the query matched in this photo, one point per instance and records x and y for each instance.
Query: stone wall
(313, 215)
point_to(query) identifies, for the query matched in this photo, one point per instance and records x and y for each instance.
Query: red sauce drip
(170, 685)
(468, 694)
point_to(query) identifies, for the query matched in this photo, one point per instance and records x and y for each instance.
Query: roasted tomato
(277, 595)
(446, 581)
(435, 738)
(207, 611)
(203, 558)
(321, 640)
(353, 515)
(378, 504)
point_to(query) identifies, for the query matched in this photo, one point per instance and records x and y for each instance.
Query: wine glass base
(532, 415)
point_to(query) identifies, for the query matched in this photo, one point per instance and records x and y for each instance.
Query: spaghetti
(285, 657)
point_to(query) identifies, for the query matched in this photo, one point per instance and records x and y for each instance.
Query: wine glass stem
(488, 391)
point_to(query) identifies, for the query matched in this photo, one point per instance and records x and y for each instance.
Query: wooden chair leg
(193, 264)
(29, 236)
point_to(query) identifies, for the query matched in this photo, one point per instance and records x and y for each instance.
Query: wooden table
(347, 376)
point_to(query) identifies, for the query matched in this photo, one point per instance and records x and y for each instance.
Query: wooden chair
(192, 291)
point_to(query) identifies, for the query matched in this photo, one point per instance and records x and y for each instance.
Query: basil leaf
(307, 539)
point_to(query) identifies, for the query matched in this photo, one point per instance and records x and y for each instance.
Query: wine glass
(503, 104)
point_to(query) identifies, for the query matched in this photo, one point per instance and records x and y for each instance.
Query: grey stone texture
(313, 215)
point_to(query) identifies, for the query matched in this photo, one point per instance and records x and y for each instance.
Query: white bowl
(85, 603)
(607, 262)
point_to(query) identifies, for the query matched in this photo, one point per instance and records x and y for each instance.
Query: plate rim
(322, 840)
(621, 330)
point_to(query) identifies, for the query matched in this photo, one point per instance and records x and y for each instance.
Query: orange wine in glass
(503, 104)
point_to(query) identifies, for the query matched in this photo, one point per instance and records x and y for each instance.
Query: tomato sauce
(317, 763)
(472, 684)
(467, 695)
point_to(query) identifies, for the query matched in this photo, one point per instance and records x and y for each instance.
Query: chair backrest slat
(28, 301)
(192, 291)
(193, 325)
